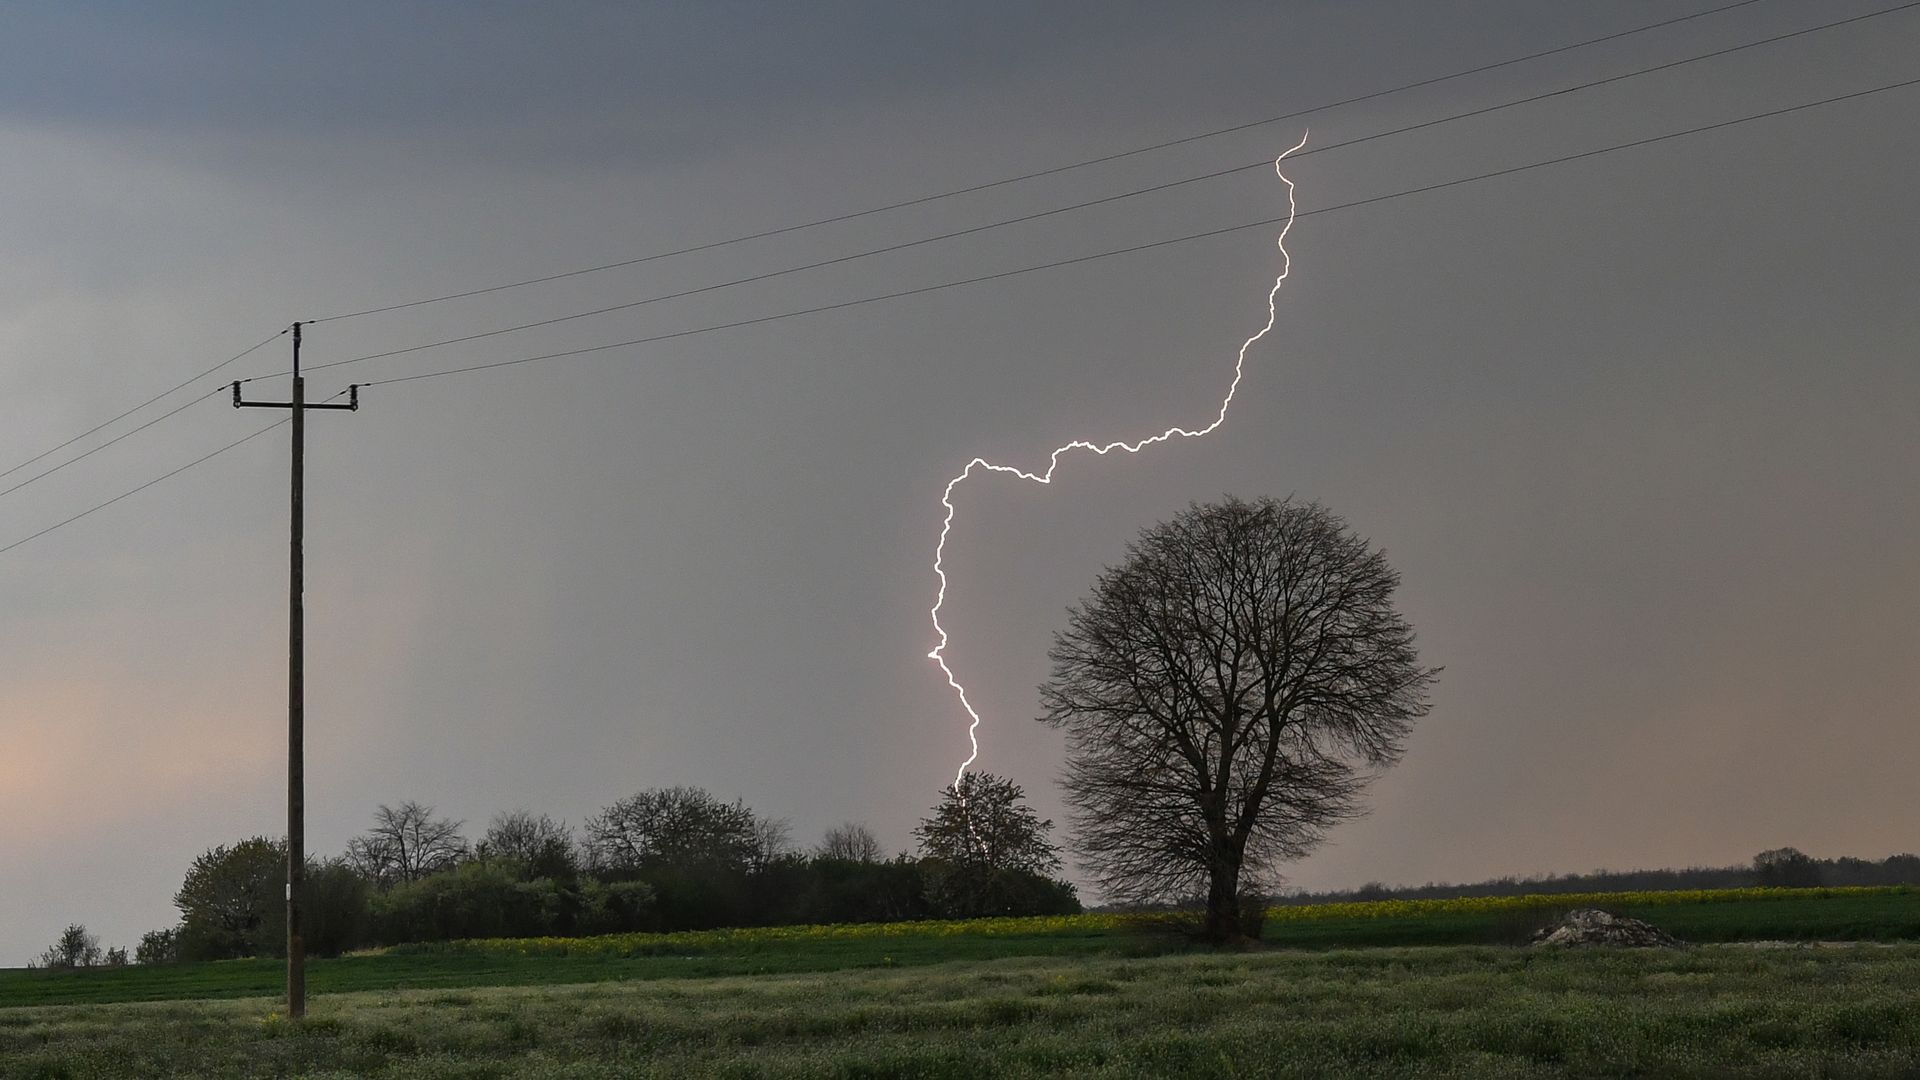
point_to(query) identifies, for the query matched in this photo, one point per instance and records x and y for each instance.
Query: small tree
(772, 841)
(984, 821)
(1226, 694)
(158, 947)
(1786, 868)
(233, 902)
(116, 957)
(986, 853)
(76, 949)
(850, 842)
(406, 843)
(674, 827)
(543, 846)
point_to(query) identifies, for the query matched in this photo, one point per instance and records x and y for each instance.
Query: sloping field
(1464, 1011)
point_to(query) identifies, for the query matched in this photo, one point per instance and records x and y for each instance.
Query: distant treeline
(1777, 867)
(659, 860)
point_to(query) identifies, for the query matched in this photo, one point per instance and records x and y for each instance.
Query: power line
(1157, 243)
(1055, 170)
(189, 403)
(1023, 270)
(142, 487)
(172, 389)
(924, 199)
(201, 460)
(1024, 218)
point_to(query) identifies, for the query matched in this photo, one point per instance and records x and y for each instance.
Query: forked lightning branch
(938, 655)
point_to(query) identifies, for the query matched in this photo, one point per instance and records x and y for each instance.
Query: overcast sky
(1639, 431)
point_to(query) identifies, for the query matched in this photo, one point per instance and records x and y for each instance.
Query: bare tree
(1223, 693)
(851, 842)
(674, 826)
(772, 839)
(406, 843)
(542, 845)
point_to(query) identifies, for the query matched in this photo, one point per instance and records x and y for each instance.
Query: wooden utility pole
(296, 679)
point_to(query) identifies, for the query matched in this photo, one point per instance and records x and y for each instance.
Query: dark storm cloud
(575, 82)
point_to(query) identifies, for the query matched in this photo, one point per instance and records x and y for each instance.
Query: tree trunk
(1223, 900)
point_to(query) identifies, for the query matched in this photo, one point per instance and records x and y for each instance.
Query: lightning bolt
(938, 655)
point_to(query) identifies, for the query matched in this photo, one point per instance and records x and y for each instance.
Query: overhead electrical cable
(183, 384)
(1053, 171)
(1375, 95)
(1264, 222)
(201, 460)
(1262, 163)
(189, 403)
(143, 487)
(1510, 171)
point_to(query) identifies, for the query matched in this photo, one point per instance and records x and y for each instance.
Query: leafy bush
(480, 898)
(975, 890)
(830, 890)
(158, 947)
(487, 898)
(614, 907)
(233, 902)
(338, 916)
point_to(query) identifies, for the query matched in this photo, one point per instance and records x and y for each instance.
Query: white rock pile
(1591, 926)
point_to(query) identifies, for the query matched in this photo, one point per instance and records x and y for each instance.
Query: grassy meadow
(1447, 1011)
(1397, 988)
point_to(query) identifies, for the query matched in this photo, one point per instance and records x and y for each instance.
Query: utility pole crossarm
(352, 403)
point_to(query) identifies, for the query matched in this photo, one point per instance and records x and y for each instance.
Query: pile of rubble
(1591, 926)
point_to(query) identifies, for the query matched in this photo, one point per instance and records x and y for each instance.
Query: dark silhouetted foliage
(337, 916)
(76, 949)
(850, 842)
(1226, 693)
(158, 947)
(683, 829)
(1786, 867)
(986, 853)
(983, 821)
(406, 843)
(543, 847)
(1844, 871)
(233, 902)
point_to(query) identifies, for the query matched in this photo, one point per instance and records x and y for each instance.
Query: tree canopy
(406, 843)
(1224, 693)
(681, 827)
(233, 902)
(984, 820)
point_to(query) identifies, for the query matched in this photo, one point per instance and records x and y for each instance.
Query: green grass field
(1445, 1011)
(1888, 914)
(1392, 989)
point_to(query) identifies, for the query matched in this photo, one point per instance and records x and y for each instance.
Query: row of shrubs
(496, 898)
(489, 899)
(660, 860)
